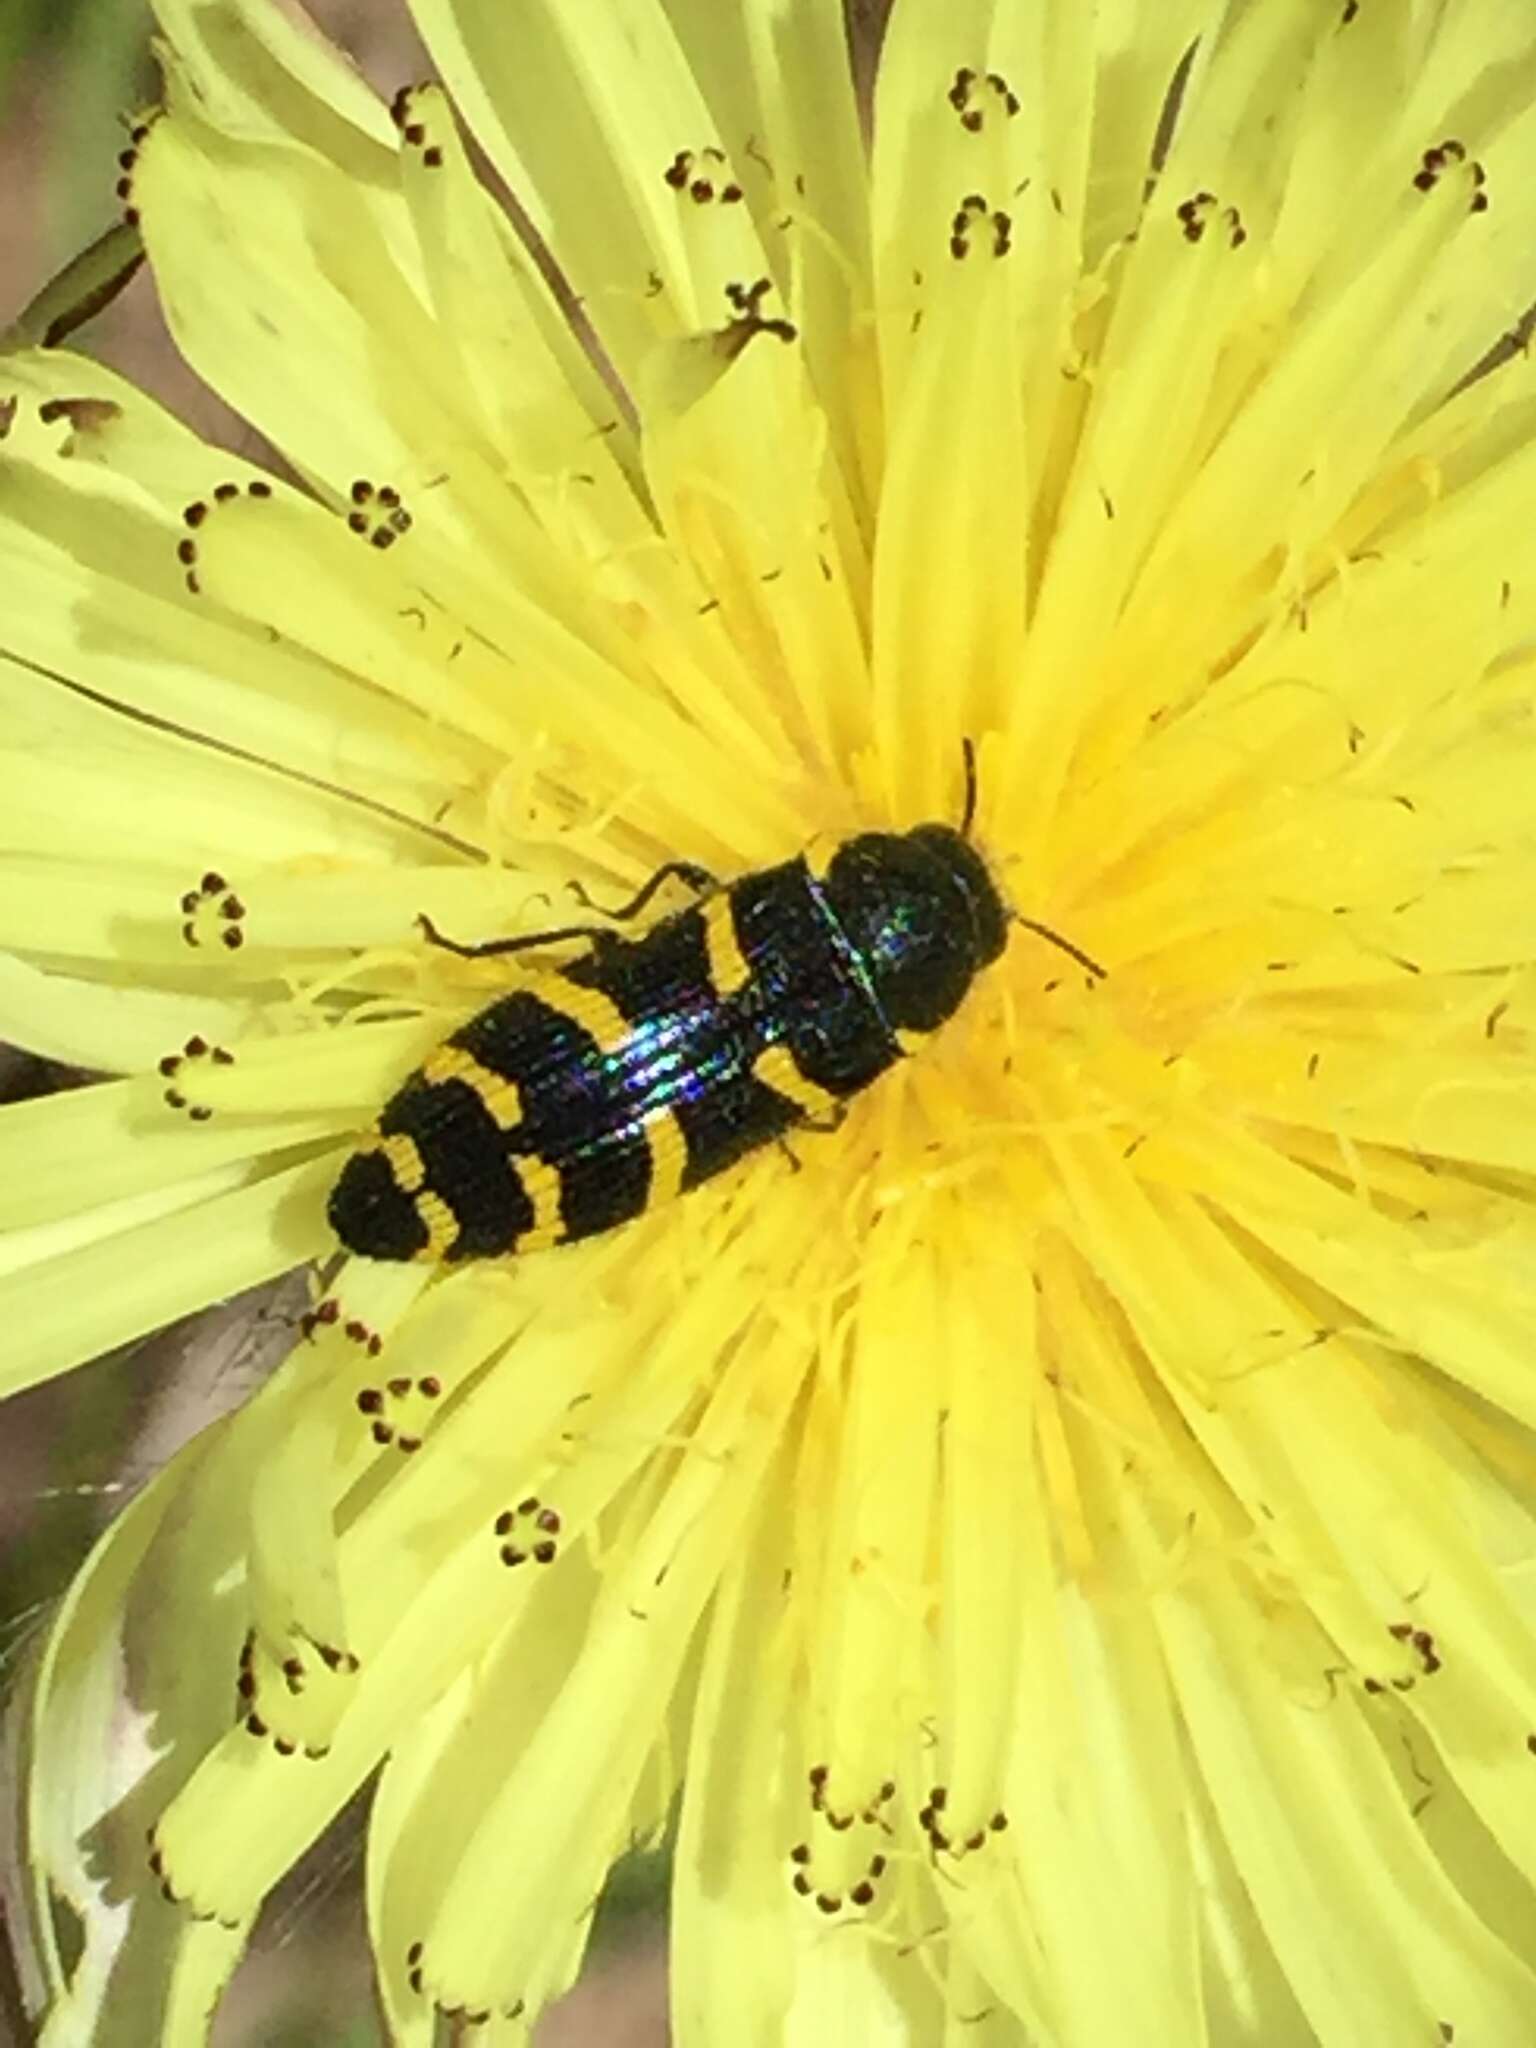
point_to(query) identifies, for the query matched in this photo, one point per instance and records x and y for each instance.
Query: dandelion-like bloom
(1071, 1541)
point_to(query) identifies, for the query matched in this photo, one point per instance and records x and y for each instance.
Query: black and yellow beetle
(599, 1089)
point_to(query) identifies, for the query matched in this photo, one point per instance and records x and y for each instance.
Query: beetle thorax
(923, 915)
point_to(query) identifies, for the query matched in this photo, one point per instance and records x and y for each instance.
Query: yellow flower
(1072, 1542)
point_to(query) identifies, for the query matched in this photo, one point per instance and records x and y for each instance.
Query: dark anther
(746, 302)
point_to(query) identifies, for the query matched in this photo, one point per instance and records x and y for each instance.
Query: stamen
(1197, 214)
(1447, 156)
(395, 520)
(85, 415)
(973, 213)
(745, 302)
(196, 514)
(845, 1870)
(319, 1318)
(529, 1516)
(403, 1400)
(405, 113)
(972, 94)
(704, 176)
(213, 894)
(173, 1067)
(127, 162)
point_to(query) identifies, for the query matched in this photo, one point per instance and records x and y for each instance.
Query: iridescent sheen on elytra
(593, 1091)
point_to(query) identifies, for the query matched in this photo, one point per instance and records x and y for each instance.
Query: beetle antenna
(1065, 945)
(968, 814)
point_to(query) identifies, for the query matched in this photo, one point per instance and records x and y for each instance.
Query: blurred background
(72, 73)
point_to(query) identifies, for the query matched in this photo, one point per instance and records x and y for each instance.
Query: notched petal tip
(420, 113)
(128, 163)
